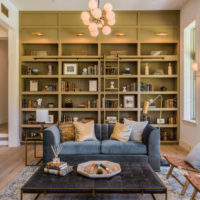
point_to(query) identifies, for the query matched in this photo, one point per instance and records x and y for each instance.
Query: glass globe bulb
(110, 15)
(96, 13)
(85, 16)
(111, 22)
(86, 22)
(106, 30)
(93, 27)
(108, 7)
(92, 4)
(94, 33)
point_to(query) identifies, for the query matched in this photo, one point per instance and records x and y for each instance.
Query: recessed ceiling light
(119, 34)
(161, 33)
(79, 34)
(38, 33)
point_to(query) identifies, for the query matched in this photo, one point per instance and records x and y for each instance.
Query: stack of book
(60, 169)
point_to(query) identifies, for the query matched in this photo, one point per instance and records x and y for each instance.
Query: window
(189, 74)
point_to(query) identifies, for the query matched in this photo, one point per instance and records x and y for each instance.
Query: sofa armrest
(154, 149)
(51, 137)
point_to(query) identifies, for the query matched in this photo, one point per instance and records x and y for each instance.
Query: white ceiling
(82, 4)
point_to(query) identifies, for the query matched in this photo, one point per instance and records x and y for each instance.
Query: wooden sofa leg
(194, 195)
(170, 171)
(185, 187)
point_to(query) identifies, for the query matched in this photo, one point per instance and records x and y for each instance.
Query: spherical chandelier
(98, 19)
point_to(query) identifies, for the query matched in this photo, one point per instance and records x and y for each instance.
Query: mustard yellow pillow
(121, 132)
(84, 131)
(67, 131)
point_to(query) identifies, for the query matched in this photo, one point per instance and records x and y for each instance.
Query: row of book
(60, 169)
(130, 87)
(91, 70)
(146, 87)
(28, 103)
(67, 86)
(170, 103)
(93, 103)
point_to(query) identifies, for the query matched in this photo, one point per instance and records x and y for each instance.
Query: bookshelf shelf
(111, 56)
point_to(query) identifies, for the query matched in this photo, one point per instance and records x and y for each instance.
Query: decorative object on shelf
(99, 169)
(82, 106)
(129, 101)
(75, 119)
(42, 117)
(68, 103)
(147, 69)
(39, 102)
(170, 69)
(50, 119)
(160, 121)
(49, 69)
(39, 34)
(92, 85)
(98, 19)
(69, 68)
(165, 136)
(51, 105)
(111, 70)
(33, 85)
(124, 89)
(150, 102)
(112, 84)
(126, 71)
(35, 71)
(111, 119)
(85, 71)
(46, 88)
(158, 53)
(119, 34)
(39, 53)
(163, 88)
(56, 150)
(158, 71)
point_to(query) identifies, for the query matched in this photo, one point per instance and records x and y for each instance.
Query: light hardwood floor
(13, 160)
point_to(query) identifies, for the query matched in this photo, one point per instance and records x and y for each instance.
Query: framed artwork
(93, 85)
(69, 68)
(129, 101)
(33, 85)
(51, 119)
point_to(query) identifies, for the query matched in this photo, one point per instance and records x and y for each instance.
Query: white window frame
(195, 76)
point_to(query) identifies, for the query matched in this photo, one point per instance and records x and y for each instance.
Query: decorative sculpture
(56, 150)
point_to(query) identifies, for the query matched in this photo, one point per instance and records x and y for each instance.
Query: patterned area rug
(12, 190)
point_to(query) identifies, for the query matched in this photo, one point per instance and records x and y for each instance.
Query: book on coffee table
(62, 172)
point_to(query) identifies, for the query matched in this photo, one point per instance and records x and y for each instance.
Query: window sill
(191, 122)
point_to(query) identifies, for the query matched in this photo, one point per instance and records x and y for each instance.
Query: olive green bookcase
(132, 44)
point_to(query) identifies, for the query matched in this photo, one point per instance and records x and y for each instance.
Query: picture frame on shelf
(69, 69)
(51, 119)
(33, 86)
(93, 85)
(160, 121)
(129, 101)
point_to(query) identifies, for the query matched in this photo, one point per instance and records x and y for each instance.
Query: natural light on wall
(189, 73)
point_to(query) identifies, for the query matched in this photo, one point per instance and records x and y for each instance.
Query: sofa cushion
(85, 147)
(117, 147)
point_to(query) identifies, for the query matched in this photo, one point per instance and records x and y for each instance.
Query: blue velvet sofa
(104, 148)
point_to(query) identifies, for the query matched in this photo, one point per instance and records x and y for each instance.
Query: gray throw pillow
(193, 157)
(137, 129)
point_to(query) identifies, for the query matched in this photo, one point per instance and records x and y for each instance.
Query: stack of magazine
(60, 169)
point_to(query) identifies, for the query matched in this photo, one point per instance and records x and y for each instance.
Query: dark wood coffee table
(134, 178)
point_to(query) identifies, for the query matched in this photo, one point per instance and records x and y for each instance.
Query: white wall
(12, 25)
(3, 81)
(190, 132)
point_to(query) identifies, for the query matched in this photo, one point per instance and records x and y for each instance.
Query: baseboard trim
(2, 143)
(186, 145)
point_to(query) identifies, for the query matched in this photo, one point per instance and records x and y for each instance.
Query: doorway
(3, 86)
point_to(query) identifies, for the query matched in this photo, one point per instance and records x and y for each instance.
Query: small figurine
(50, 69)
(112, 84)
(85, 72)
(124, 88)
(39, 103)
(170, 69)
(147, 69)
(46, 88)
(75, 119)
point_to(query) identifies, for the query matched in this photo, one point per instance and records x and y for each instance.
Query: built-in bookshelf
(121, 60)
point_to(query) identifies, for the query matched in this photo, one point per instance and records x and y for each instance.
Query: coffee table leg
(37, 196)
(154, 198)
(21, 196)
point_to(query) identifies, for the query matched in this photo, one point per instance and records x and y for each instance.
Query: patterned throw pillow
(67, 131)
(121, 132)
(137, 129)
(84, 131)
